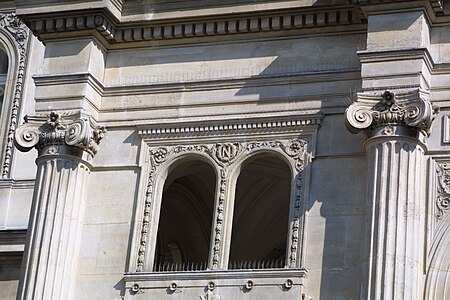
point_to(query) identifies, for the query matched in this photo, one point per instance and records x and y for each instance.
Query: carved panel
(443, 190)
(224, 156)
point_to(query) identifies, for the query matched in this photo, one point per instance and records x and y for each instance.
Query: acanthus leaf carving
(409, 109)
(48, 135)
(443, 189)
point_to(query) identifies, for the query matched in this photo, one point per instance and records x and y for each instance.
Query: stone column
(397, 126)
(65, 146)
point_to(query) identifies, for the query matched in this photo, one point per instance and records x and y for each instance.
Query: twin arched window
(260, 216)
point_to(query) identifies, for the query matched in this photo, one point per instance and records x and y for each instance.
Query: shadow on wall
(281, 77)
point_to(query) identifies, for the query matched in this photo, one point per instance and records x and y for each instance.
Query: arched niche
(260, 223)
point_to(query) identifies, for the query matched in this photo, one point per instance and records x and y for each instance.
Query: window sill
(230, 284)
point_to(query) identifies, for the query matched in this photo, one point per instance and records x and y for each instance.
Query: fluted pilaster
(397, 127)
(65, 145)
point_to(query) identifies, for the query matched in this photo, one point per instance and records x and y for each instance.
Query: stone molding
(15, 28)
(225, 155)
(100, 24)
(72, 134)
(390, 114)
(140, 283)
(231, 127)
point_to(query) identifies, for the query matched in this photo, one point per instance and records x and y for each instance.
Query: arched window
(185, 219)
(261, 214)
(3, 75)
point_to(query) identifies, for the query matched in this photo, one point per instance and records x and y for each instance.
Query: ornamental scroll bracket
(69, 134)
(385, 114)
(224, 156)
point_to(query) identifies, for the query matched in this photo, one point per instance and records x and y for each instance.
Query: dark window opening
(261, 213)
(186, 218)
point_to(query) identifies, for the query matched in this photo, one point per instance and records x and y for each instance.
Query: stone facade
(224, 150)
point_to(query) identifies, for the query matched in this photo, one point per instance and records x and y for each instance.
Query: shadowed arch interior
(261, 213)
(3, 74)
(186, 217)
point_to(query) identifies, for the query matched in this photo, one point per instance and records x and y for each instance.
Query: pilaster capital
(75, 134)
(406, 113)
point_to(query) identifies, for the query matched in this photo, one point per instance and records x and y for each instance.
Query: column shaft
(395, 226)
(50, 261)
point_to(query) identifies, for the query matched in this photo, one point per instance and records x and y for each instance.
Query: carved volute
(72, 134)
(390, 114)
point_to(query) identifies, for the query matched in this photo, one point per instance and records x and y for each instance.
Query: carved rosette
(70, 134)
(11, 25)
(391, 114)
(225, 155)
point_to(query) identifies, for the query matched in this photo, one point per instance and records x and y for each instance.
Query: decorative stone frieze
(225, 155)
(65, 143)
(391, 114)
(11, 25)
(56, 134)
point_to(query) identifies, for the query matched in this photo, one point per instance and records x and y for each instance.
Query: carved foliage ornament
(11, 25)
(412, 109)
(224, 155)
(443, 196)
(48, 133)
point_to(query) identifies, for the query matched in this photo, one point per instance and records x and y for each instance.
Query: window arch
(261, 214)
(185, 218)
(13, 57)
(254, 220)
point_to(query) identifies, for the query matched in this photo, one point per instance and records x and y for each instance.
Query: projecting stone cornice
(253, 126)
(435, 7)
(242, 25)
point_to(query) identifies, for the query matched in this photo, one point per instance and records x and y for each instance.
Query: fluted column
(393, 248)
(65, 146)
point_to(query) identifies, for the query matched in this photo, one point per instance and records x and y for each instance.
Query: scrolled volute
(76, 131)
(371, 111)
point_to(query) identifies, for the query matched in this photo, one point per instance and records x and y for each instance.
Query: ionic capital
(75, 134)
(408, 113)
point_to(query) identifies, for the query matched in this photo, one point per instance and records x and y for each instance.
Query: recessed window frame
(218, 260)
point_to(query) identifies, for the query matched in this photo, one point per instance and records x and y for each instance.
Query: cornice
(112, 33)
(243, 127)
